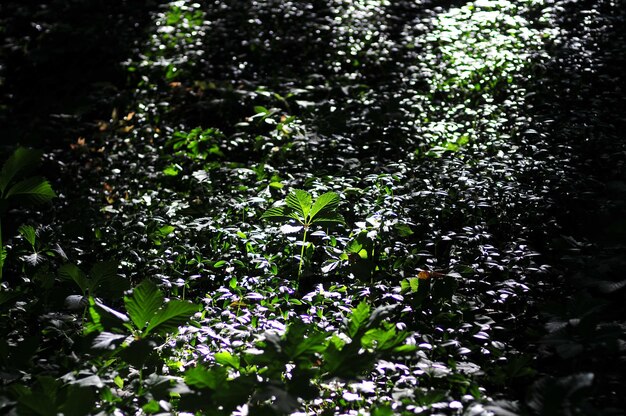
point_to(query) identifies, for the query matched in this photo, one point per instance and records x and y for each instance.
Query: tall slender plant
(299, 208)
(14, 187)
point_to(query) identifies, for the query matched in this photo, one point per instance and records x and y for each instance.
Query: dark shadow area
(60, 64)
(579, 101)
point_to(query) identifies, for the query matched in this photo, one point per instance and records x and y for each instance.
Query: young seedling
(299, 208)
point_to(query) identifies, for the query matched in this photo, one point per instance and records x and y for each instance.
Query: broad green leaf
(95, 325)
(358, 318)
(78, 401)
(299, 201)
(103, 271)
(405, 349)
(329, 218)
(202, 378)
(381, 339)
(144, 303)
(36, 190)
(166, 230)
(72, 272)
(28, 233)
(36, 403)
(382, 411)
(21, 161)
(151, 407)
(280, 212)
(105, 281)
(403, 230)
(175, 313)
(259, 109)
(226, 358)
(325, 204)
(3, 256)
(410, 285)
(354, 246)
(312, 343)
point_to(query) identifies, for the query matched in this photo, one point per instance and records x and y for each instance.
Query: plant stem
(302, 256)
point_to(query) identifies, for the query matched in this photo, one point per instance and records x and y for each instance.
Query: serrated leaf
(358, 318)
(325, 204)
(280, 212)
(22, 161)
(354, 246)
(300, 201)
(3, 256)
(330, 218)
(72, 272)
(28, 232)
(144, 303)
(174, 314)
(403, 230)
(200, 377)
(105, 281)
(227, 359)
(35, 190)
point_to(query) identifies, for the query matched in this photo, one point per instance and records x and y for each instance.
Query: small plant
(197, 144)
(33, 190)
(300, 209)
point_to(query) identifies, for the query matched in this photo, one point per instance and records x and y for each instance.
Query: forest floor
(313, 207)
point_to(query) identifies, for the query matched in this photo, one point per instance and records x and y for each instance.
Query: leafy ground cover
(322, 207)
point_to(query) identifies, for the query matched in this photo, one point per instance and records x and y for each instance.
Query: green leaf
(358, 318)
(382, 411)
(144, 303)
(405, 349)
(22, 161)
(330, 218)
(200, 377)
(151, 407)
(166, 230)
(382, 339)
(259, 109)
(325, 204)
(410, 285)
(280, 213)
(171, 170)
(72, 272)
(299, 201)
(105, 281)
(28, 233)
(79, 401)
(226, 358)
(103, 271)
(36, 403)
(403, 230)
(36, 190)
(175, 313)
(3, 256)
(95, 325)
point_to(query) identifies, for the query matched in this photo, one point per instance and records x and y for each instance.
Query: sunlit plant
(301, 213)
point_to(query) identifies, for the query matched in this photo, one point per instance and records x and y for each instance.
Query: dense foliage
(314, 207)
